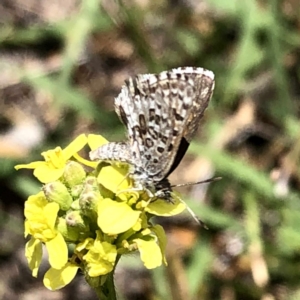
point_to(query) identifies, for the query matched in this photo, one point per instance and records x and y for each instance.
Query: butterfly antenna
(126, 190)
(195, 217)
(198, 182)
(125, 177)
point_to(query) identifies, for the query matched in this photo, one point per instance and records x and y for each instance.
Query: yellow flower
(100, 258)
(40, 217)
(40, 224)
(77, 205)
(151, 246)
(55, 161)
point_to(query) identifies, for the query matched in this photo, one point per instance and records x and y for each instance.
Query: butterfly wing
(161, 113)
(146, 116)
(202, 83)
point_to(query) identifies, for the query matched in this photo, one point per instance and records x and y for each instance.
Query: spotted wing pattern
(159, 111)
(162, 113)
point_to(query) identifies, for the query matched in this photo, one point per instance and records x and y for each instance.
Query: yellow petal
(115, 217)
(101, 268)
(58, 252)
(45, 174)
(86, 244)
(100, 258)
(162, 240)
(114, 178)
(150, 253)
(33, 253)
(55, 279)
(54, 158)
(164, 208)
(75, 146)
(50, 212)
(34, 206)
(40, 217)
(32, 165)
(96, 141)
(92, 164)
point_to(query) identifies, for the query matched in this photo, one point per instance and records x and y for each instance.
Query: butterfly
(161, 113)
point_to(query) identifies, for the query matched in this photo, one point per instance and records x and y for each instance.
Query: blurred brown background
(63, 62)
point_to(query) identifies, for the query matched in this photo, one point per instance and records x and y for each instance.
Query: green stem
(103, 286)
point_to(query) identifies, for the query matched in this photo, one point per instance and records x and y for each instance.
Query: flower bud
(58, 192)
(70, 233)
(75, 205)
(88, 201)
(74, 173)
(76, 190)
(91, 184)
(88, 204)
(74, 219)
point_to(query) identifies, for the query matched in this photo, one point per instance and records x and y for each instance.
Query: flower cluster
(87, 215)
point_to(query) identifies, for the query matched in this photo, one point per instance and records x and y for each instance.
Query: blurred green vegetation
(250, 134)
